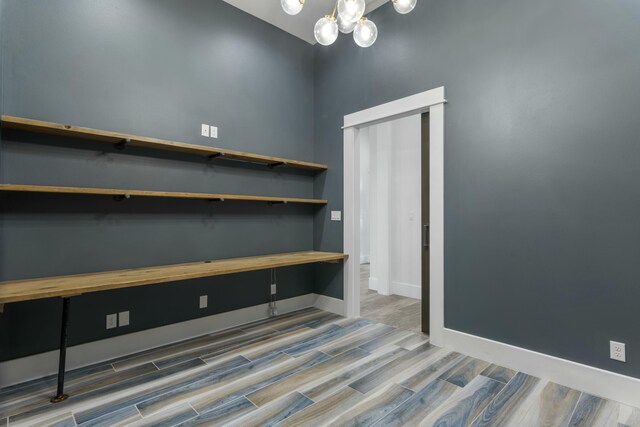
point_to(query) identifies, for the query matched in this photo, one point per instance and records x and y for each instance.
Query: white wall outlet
(213, 132)
(336, 215)
(112, 321)
(123, 318)
(618, 351)
(205, 130)
(274, 289)
(204, 301)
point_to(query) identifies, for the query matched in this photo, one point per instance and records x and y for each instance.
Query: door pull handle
(425, 235)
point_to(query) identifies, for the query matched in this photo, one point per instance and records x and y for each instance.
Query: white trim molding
(606, 384)
(409, 290)
(330, 304)
(43, 364)
(431, 101)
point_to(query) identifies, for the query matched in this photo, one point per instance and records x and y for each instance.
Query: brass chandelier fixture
(347, 17)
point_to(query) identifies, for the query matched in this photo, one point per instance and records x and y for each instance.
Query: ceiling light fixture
(347, 17)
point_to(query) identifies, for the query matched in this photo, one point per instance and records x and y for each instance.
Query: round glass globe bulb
(346, 27)
(351, 10)
(292, 7)
(365, 33)
(404, 6)
(326, 30)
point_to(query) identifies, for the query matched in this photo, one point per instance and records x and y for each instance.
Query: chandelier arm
(335, 8)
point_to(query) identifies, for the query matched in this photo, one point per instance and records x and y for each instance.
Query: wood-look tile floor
(394, 310)
(308, 368)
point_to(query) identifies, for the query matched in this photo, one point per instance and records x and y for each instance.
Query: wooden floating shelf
(122, 140)
(65, 286)
(125, 194)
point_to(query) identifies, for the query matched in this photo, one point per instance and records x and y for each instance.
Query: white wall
(391, 172)
(365, 179)
(405, 203)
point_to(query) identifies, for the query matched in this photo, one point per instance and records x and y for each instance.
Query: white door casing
(431, 101)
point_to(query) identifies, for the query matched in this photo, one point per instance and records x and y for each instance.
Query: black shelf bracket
(60, 396)
(214, 156)
(121, 197)
(276, 164)
(122, 144)
(277, 202)
(217, 200)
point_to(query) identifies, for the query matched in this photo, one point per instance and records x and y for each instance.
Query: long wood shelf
(125, 194)
(66, 286)
(122, 140)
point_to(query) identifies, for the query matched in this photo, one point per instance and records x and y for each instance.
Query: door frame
(431, 101)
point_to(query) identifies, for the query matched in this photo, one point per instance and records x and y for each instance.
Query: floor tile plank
(464, 406)
(222, 415)
(420, 405)
(553, 405)
(196, 375)
(311, 375)
(498, 373)
(463, 373)
(386, 372)
(595, 411)
(171, 350)
(326, 410)
(214, 349)
(301, 348)
(374, 408)
(426, 375)
(305, 337)
(505, 406)
(168, 418)
(343, 378)
(255, 382)
(392, 337)
(279, 410)
(214, 378)
(121, 417)
(74, 402)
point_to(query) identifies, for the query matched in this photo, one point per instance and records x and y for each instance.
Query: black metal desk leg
(60, 396)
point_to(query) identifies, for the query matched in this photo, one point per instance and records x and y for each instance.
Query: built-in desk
(66, 287)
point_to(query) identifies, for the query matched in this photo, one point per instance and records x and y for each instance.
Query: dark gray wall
(155, 68)
(542, 149)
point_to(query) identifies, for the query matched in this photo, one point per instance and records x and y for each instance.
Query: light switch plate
(123, 318)
(204, 301)
(213, 133)
(336, 215)
(205, 130)
(112, 321)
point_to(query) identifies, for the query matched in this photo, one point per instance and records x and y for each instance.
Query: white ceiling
(300, 25)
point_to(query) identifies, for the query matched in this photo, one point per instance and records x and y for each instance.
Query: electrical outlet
(274, 288)
(336, 215)
(205, 130)
(123, 318)
(204, 301)
(112, 321)
(213, 133)
(618, 351)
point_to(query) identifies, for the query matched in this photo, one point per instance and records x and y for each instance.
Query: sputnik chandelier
(349, 19)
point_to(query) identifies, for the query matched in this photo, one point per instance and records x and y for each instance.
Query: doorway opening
(392, 241)
(429, 107)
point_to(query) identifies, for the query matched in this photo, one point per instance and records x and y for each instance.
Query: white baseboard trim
(373, 283)
(330, 304)
(408, 290)
(607, 384)
(43, 364)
